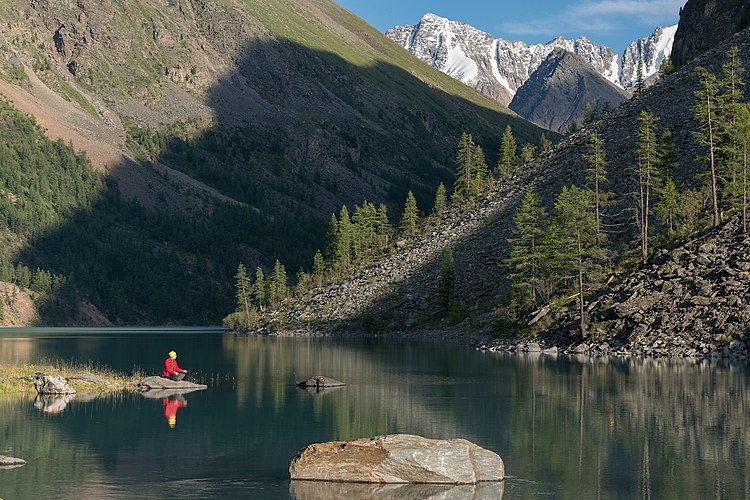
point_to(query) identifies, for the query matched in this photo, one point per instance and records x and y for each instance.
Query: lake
(565, 427)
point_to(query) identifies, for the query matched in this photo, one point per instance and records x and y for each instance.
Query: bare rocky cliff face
(498, 68)
(564, 82)
(706, 23)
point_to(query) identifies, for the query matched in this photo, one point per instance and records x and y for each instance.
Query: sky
(614, 23)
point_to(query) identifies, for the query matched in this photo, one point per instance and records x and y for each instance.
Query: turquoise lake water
(566, 428)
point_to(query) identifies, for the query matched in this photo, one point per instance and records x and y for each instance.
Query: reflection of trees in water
(378, 398)
(648, 428)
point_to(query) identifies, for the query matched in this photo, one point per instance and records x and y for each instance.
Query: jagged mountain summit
(498, 68)
(559, 91)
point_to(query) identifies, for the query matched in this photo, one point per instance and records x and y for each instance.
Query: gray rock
(9, 462)
(149, 383)
(88, 378)
(399, 458)
(533, 347)
(316, 490)
(52, 384)
(320, 381)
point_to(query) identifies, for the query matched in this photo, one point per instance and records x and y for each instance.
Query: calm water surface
(566, 428)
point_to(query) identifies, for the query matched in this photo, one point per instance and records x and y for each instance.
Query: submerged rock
(398, 458)
(156, 382)
(320, 381)
(52, 384)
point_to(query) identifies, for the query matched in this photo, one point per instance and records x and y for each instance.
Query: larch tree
(410, 217)
(705, 111)
(481, 172)
(506, 165)
(729, 100)
(667, 209)
(596, 176)
(319, 267)
(259, 288)
(647, 175)
(462, 186)
(545, 145)
(441, 201)
(278, 288)
(344, 240)
(383, 228)
(243, 290)
(526, 255)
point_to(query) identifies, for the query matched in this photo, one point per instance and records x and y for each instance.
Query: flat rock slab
(398, 458)
(88, 378)
(11, 462)
(149, 383)
(320, 381)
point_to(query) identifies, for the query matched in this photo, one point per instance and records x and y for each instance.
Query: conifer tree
(332, 240)
(743, 131)
(464, 172)
(447, 284)
(528, 151)
(319, 267)
(544, 143)
(384, 229)
(668, 206)
(440, 201)
(525, 258)
(259, 288)
(278, 287)
(590, 114)
(729, 100)
(506, 165)
(639, 81)
(596, 175)
(481, 172)
(572, 128)
(578, 252)
(705, 112)
(243, 290)
(344, 240)
(666, 68)
(410, 218)
(647, 175)
(668, 159)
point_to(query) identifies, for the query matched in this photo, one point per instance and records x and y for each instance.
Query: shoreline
(86, 380)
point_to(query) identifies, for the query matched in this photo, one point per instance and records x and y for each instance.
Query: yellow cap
(172, 354)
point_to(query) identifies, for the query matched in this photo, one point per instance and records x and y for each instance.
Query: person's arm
(177, 368)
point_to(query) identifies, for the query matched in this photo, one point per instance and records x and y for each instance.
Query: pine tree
(410, 218)
(590, 114)
(440, 201)
(743, 132)
(506, 165)
(647, 175)
(464, 171)
(668, 159)
(259, 289)
(525, 258)
(705, 112)
(243, 290)
(528, 151)
(666, 68)
(572, 127)
(446, 294)
(344, 240)
(596, 176)
(332, 240)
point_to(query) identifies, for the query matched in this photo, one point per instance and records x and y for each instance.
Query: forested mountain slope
(402, 290)
(238, 126)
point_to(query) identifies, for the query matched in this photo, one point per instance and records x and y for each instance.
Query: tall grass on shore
(17, 378)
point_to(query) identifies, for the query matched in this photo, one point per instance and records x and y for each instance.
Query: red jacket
(170, 366)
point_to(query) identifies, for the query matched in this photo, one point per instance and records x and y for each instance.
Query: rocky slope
(690, 301)
(564, 81)
(705, 23)
(400, 292)
(498, 68)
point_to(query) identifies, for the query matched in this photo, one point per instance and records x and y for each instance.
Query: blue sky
(615, 23)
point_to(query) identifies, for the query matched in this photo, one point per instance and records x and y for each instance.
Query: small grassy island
(15, 379)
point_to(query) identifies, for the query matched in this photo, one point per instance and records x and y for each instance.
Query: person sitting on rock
(171, 370)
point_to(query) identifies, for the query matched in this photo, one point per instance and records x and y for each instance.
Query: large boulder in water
(156, 382)
(398, 458)
(52, 384)
(9, 462)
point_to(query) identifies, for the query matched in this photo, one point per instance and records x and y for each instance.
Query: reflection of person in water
(171, 405)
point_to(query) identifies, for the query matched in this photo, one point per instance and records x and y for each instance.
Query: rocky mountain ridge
(498, 68)
(566, 82)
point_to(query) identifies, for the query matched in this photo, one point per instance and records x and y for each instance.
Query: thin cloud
(603, 17)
